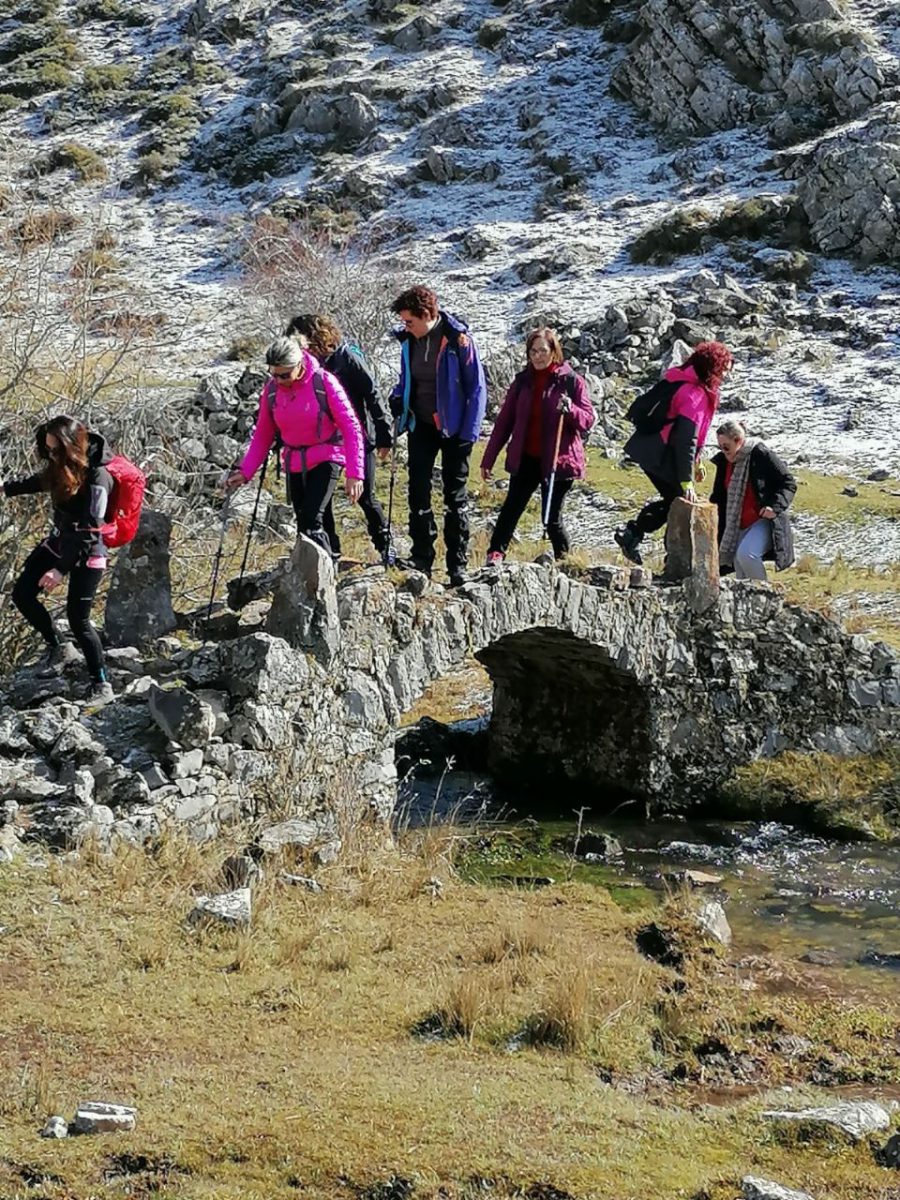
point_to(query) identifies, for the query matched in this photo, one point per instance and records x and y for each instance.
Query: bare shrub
(294, 266)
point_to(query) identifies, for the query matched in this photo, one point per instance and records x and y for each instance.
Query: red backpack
(125, 500)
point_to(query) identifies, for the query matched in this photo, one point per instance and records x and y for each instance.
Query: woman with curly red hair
(670, 456)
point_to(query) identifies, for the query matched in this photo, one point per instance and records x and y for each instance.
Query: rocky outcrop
(699, 65)
(851, 191)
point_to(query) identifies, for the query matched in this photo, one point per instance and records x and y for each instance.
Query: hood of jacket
(99, 452)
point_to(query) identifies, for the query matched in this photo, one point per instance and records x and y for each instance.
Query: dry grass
(284, 1057)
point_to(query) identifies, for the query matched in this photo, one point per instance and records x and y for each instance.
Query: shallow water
(782, 888)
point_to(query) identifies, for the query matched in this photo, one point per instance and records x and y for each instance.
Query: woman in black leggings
(79, 485)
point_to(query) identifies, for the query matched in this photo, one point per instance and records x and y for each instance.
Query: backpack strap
(324, 409)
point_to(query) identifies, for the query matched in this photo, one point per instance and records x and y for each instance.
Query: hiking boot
(99, 694)
(58, 659)
(628, 541)
(494, 558)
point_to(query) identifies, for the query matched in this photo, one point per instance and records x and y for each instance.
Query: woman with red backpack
(546, 413)
(76, 476)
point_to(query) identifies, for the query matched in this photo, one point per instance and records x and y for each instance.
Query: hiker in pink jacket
(546, 401)
(307, 412)
(670, 457)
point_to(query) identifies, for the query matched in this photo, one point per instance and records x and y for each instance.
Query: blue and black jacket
(461, 384)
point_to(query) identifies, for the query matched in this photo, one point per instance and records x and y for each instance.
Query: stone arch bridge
(614, 687)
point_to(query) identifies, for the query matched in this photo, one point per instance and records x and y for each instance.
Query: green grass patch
(842, 797)
(102, 80)
(86, 163)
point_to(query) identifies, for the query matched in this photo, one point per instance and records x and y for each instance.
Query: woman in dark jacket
(79, 485)
(543, 418)
(669, 455)
(753, 490)
(322, 337)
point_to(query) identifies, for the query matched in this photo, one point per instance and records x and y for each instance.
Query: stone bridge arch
(630, 689)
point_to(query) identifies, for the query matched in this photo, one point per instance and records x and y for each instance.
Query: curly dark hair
(67, 465)
(322, 333)
(418, 300)
(711, 360)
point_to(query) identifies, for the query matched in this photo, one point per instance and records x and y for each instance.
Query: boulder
(182, 716)
(762, 1189)
(304, 608)
(855, 1118)
(139, 603)
(95, 1117)
(232, 909)
(851, 191)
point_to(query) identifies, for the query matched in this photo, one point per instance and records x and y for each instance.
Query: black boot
(628, 539)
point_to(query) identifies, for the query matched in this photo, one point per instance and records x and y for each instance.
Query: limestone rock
(232, 909)
(139, 604)
(851, 191)
(225, 19)
(349, 118)
(713, 922)
(304, 608)
(182, 716)
(692, 552)
(94, 1117)
(855, 1118)
(55, 1127)
(762, 1189)
(687, 69)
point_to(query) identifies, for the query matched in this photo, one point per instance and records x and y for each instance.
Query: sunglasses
(282, 374)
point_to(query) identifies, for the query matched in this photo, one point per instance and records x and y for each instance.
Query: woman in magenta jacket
(545, 394)
(307, 411)
(670, 457)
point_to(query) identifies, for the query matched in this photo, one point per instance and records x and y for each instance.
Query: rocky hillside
(633, 171)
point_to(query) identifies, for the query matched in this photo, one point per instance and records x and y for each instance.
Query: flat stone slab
(857, 1119)
(231, 909)
(762, 1189)
(95, 1117)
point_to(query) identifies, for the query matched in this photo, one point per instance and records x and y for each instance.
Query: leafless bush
(293, 267)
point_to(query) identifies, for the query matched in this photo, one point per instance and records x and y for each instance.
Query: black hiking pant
(655, 513)
(83, 584)
(376, 522)
(310, 492)
(521, 488)
(425, 443)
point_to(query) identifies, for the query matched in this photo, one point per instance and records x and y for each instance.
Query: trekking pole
(389, 540)
(217, 562)
(259, 488)
(559, 429)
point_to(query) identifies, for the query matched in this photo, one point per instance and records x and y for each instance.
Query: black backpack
(649, 412)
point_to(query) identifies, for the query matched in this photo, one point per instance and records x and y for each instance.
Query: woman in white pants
(753, 490)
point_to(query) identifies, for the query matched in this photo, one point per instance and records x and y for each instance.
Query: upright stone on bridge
(139, 604)
(692, 552)
(304, 608)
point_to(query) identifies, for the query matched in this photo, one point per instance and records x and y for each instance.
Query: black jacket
(775, 488)
(357, 381)
(75, 536)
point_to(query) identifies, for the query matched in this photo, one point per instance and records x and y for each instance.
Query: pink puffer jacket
(307, 433)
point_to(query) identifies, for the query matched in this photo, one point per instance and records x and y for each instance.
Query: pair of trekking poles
(387, 556)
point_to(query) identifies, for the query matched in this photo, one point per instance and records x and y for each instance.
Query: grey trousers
(755, 541)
